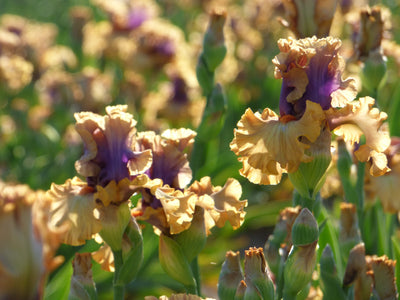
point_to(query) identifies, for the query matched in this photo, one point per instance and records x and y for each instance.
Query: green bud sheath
(193, 240)
(331, 285)
(373, 70)
(114, 222)
(309, 177)
(204, 76)
(133, 258)
(298, 269)
(174, 262)
(301, 261)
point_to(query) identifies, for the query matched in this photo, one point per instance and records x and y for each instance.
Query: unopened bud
(256, 273)
(82, 285)
(373, 70)
(282, 234)
(371, 31)
(301, 261)
(357, 273)
(349, 233)
(299, 268)
(330, 283)
(230, 276)
(214, 49)
(305, 229)
(241, 290)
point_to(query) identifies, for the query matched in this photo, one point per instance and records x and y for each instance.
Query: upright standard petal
(109, 141)
(311, 69)
(170, 163)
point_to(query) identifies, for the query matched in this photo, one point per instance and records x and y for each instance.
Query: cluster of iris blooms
(127, 177)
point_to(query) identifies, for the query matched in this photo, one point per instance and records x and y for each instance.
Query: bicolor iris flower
(315, 100)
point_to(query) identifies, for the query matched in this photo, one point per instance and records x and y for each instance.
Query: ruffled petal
(221, 204)
(356, 119)
(178, 207)
(73, 205)
(263, 142)
(105, 258)
(384, 187)
(113, 192)
(257, 176)
(181, 137)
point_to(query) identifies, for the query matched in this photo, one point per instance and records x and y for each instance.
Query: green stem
(119, 289)
(390, 227)
(360, 194)
(196, 274)
(381, 224)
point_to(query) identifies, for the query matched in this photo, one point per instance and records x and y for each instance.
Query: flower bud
(301, 261)
(241, 290)
(230, 276)
(214, 49)
(298, 269)
(82, 284)
(282, 234)
(357, 273)
(174, 262)
(304, 229)
(309, 17)
(330, 282)
(349, 233)
(256, 273)
(373, 71)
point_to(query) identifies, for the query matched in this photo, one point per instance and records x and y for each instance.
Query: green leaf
(58, 287)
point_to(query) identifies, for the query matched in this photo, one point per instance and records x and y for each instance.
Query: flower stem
(196, 274)
(119, 289)
(360, 194)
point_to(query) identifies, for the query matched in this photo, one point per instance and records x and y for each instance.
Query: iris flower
(315, 100)
(111, 167)
(168, 203)
(29, 242)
